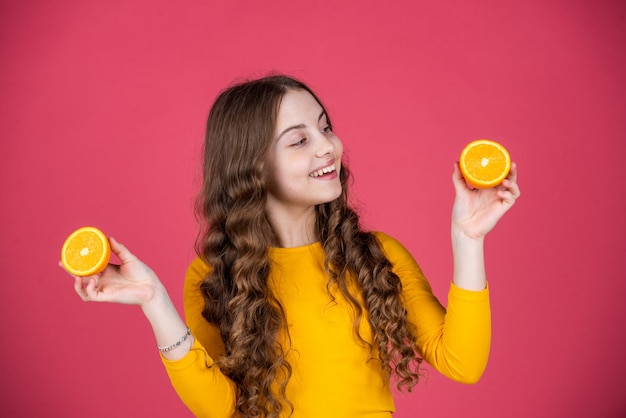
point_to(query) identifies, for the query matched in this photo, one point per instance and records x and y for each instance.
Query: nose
(324, 146)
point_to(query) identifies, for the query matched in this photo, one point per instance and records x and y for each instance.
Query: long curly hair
(234, 242)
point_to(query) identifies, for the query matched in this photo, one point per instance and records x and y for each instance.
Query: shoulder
(397, 254)
(198, 267)
(196, 272)
(391, 246)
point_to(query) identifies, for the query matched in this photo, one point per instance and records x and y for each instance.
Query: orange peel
(484, 163)
(86, 251)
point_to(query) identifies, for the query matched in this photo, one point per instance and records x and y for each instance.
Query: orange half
(484, 163)
(86, 251)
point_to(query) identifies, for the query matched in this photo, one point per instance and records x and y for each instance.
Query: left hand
(476, 211)
(131, 283)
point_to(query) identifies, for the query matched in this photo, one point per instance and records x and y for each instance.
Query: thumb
(121, 251)
(457, 179)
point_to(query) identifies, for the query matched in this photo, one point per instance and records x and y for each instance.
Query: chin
(334, 197)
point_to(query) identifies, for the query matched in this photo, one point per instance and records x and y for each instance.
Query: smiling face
(304, 158)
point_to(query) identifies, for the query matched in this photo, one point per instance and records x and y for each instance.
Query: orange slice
(484, 163)
(85, 252)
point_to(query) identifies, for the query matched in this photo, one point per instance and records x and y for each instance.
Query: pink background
(101, 120)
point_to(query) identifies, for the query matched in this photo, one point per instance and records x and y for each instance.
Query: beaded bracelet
(176, 344)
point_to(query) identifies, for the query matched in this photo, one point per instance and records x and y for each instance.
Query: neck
(293, 229)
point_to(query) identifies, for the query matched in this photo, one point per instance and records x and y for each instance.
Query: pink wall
(101, 119)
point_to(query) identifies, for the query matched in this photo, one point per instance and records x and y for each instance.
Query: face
(304, 158)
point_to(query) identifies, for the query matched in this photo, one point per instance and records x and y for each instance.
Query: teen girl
(291, 308)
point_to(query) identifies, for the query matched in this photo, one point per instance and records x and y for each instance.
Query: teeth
(323, 171)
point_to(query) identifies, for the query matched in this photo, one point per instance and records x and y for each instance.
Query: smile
(323, 171)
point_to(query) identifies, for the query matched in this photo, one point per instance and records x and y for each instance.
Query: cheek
(338, 148)
(271, 175)
(280, 176)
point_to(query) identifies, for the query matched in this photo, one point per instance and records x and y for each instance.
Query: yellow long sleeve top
(332, 376)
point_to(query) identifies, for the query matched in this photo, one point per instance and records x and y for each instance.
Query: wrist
(156, 301)
(461, 237)
(469, 264)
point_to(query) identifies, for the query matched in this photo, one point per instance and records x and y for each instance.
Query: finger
(513, 173)
(121, 251)
(91, 289)
(79, 287)
(457, 178)
(87, 287)
(60, 263)
(513, 188)
(507, 197)
(79, 283)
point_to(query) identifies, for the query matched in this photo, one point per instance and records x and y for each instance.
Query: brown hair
(235, 239)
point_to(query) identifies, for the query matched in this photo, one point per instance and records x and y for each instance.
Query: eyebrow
(300, 126)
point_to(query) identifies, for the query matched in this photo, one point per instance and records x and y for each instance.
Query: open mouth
(323, 171)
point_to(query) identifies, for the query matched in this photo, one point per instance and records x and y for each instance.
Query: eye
(298, 143)
(327, 129)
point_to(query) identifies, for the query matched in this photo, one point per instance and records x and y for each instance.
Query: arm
(475, 213)
(134, 283)
(204, 389)
(200, 384)
(454, 341)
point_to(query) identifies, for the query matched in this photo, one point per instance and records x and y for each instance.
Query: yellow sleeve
(455, 341)
(202, 388)
(207, 334)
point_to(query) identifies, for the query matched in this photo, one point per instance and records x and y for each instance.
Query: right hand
(131, 283)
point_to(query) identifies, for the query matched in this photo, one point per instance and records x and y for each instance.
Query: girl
(293, 309)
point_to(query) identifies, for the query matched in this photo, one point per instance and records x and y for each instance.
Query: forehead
(297, 106)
